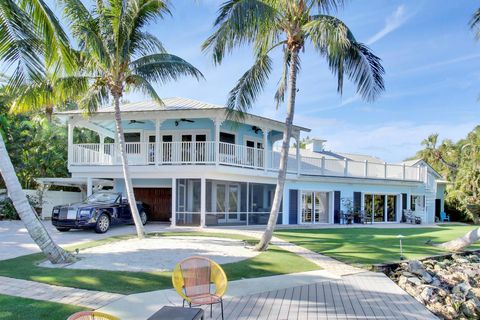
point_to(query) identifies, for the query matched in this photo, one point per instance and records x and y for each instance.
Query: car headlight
(84, 213)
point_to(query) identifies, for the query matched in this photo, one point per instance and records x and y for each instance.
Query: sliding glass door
(383, 207)
(315, 207)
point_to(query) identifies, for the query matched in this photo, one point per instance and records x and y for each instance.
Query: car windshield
(102, 197)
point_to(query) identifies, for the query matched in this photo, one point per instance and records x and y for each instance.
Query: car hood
(84, 205)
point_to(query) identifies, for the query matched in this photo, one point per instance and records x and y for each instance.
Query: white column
(345, 167)
(203, 200)
(285, 206)
(403, 171)
(298, 155)
(102, 147)
(385, 170)
(218, 123)
(157, 141)
(366, 169)
(89, 186)
(174, 203)
(265, 148)
(71, 126)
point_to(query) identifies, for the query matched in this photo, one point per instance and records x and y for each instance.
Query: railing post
(345, 169)
(403, 172)
(157, 141)
(366, 169)
(217, 141)
(298, 156)
(265, 148)
(323, 165)
(70, 142)
(174, 203)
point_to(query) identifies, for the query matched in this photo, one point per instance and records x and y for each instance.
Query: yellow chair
(192, 279)
(91, 315)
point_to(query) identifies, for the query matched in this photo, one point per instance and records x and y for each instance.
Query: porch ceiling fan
(177, 122)
(135, 121)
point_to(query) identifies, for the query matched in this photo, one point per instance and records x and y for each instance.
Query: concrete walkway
(41, 291)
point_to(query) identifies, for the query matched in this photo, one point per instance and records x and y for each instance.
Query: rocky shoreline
(448, 287)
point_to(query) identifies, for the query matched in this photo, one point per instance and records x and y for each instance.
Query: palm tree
(288, 25)
(119, 55)
(25, 29)
(475, 23)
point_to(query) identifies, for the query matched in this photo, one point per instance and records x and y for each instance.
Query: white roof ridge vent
(316, 145)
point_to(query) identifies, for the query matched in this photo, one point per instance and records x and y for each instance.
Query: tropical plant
(119, 55)
(288, 25)
(30, 32)
(475, 23)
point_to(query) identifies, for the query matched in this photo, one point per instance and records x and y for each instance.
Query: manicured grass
(367, 246)
(274, 261)
(15, 308)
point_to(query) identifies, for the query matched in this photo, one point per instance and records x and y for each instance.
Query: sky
(429, 53)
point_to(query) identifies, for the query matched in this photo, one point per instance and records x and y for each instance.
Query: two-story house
(193, 166)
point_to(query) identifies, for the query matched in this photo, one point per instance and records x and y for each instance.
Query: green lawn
(367, 246)
(15, 308)
(274, 261)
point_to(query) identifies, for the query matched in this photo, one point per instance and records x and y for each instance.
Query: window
(227, 137)
(379, 207)
(315, 207)
(132, 136)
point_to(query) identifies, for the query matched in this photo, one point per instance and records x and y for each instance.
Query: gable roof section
(418, 162)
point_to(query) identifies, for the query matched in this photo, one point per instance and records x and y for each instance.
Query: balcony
(205, 153)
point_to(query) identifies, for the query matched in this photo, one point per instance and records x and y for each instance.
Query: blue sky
(432, 65)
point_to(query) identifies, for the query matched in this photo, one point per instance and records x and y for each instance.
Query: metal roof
(170, 104)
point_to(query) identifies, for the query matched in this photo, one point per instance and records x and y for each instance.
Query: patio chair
(91, 315)
(192, 279)
(444, 217)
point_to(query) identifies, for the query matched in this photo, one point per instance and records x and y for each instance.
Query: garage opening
(158, 201)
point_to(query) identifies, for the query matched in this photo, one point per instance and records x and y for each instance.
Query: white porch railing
(192, 153)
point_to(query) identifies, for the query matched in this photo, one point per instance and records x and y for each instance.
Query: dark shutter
(404, 207)
(357, 201)
(293, 210)
(336, 207)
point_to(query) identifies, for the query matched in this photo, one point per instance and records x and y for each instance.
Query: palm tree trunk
(126, 171)
(282, 170)
(35, 228)
(461, 243)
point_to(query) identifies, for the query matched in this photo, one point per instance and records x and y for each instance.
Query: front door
(228, 202)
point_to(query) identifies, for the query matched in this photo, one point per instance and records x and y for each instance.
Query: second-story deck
(233, 155)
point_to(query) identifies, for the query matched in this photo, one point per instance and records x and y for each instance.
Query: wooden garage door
(159, 201)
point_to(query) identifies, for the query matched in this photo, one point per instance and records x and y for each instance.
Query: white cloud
(393, 22)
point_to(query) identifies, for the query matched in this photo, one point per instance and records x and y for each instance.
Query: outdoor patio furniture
(193, 278)
(91, 315)
(444, 217)
(178, 313)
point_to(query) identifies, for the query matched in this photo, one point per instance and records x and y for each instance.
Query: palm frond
(248, 87)
(475, 23)
(282, 83)
(138, 83)
(20, 46)
(163, 67)
(144, 43)
(334, 40)
(325, 6)
(56, 43)
(96, 97)
(238, 23)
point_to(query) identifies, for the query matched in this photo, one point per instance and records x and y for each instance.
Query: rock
(473, 258)
(416, 267)
(407, 274)
(414, 280)
(426, 294)
(426, 277)
(461, 289)
(436, 282)
(469, 309)
(473, 292)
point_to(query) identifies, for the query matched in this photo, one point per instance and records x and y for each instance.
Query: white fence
(147, 153)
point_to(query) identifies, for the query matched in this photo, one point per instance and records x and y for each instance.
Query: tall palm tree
(288, 25)
(29, 32)
(119, 55)
(475, 23)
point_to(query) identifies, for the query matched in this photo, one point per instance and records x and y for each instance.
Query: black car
(99, 212)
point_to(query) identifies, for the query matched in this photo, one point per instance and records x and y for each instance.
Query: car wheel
(143, 217)
(63, 229)
(103, 224)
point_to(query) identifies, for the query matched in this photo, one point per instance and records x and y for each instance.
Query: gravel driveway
(15, 241)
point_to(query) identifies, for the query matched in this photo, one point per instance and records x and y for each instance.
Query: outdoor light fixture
(400, 237)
